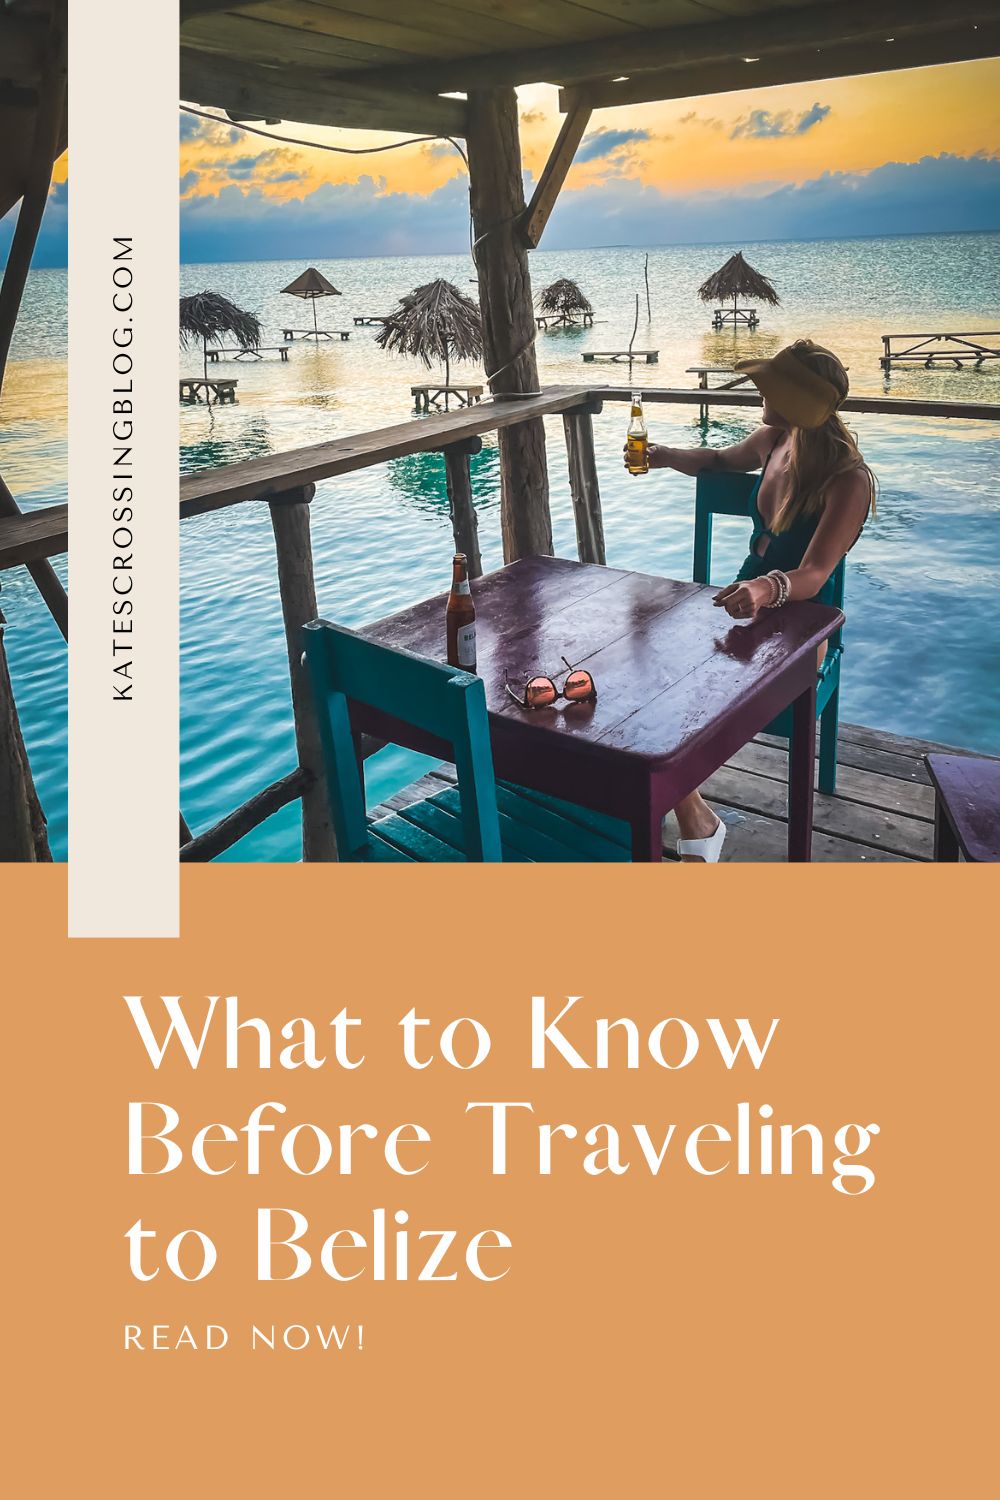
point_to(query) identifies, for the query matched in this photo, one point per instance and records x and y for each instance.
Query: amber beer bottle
(637, 439)
(461, 617)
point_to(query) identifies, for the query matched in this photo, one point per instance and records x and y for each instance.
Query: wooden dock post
(23, 839)
(578, 426)
(496, 191)
(297, 585)
(463, 512)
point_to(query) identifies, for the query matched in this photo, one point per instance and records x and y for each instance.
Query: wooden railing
(287, 483)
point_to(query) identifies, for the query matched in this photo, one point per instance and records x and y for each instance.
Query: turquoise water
(923, 582)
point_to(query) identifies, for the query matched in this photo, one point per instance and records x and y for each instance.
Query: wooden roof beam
(194, 10)
(22, 47)
(676, 47)
(316, 97)
(791, 67)
(543, 199)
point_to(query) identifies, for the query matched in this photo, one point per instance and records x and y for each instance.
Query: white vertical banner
(123, 484)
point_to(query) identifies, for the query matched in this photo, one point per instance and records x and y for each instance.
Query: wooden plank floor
(883, 811)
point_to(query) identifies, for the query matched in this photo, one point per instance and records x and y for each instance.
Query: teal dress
(785, 549)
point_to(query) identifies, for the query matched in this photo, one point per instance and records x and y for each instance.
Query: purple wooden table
(967, 813)
(681, 687)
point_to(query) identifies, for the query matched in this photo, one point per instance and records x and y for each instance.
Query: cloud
(189, 181)
(709, 122)
(761, 124)
(336, 219)
(605, 142)
(532, 116)
(50, 249)
(213, 132)
(936, 194)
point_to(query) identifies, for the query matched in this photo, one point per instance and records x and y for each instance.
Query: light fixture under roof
(623, 78)
(751, 59)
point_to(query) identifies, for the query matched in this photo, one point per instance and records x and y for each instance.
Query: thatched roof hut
(737, 278)
(209, 315)
(565, 299)
(434, 321)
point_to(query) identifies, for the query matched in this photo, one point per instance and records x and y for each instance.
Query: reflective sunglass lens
(540, 692)
(579, 685)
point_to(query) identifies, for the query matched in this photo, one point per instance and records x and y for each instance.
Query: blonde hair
(819, 455)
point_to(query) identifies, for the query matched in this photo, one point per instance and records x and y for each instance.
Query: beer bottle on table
(637, 439)
(461, 617)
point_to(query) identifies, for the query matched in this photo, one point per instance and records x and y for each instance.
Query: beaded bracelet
(782, 589)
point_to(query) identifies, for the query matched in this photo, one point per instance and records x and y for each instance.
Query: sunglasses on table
(541, 692)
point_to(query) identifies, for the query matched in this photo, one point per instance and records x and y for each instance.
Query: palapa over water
(564, 299)
(737, 278)
(309, 286)
(434, 321)
(210, 315)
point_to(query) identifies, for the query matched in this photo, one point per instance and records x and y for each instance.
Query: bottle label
(467, 645)
(462, 588)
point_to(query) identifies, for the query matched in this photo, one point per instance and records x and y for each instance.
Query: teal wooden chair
(477, 820)
(729, 495)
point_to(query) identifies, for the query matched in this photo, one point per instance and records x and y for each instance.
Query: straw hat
(796, 391)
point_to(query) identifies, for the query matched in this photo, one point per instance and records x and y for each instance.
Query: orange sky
(689, 146)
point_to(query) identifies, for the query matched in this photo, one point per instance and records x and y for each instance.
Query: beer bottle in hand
(637, 439)
(461, 617)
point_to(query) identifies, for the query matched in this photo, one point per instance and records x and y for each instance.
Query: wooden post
(293, 546)
(497, 195)
(23, 838)
(578, 426)
(46, 145)
(463, 512)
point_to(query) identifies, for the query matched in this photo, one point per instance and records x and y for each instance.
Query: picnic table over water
(681, 687)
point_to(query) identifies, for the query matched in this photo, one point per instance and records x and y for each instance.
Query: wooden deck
(883, 812)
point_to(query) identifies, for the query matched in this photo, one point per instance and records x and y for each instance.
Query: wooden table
(223, 391)
(426, 396)
(681, 687)
(215, 355)
(967, 808)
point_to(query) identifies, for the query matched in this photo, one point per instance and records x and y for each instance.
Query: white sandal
(707, 849)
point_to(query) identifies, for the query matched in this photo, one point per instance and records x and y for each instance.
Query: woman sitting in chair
(808, 507)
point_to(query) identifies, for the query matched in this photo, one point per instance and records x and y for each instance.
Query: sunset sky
(901, 152)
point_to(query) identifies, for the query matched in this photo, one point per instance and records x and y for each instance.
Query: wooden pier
(291, 334)
(704, 371)
(931, 349)
(437, 397)
(235, 353)
(620, 356)
(882, 813)
(217, 392)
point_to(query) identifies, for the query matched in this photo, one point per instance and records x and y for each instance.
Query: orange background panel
(682, 1335)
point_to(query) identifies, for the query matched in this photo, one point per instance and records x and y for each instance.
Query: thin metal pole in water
(645, 272)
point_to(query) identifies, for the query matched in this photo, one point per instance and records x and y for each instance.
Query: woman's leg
(696, 821)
